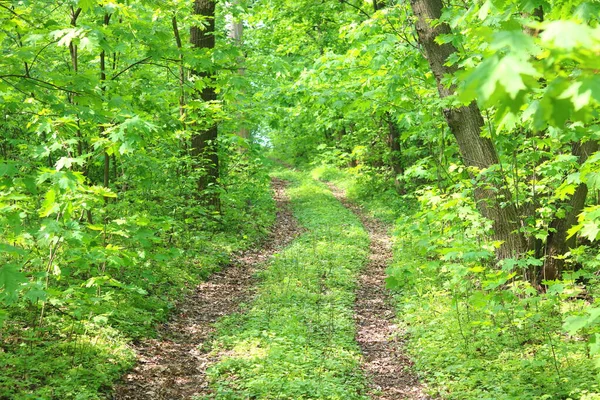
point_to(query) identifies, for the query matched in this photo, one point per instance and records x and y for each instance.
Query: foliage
(366, 101)
(101, 227)
(507, 338)
(102, 223)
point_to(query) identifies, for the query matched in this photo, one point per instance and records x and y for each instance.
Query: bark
(73, 51)
(106, 173)
(493, 200)
(558, 244)
(204, 142)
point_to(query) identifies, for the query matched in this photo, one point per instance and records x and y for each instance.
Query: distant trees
(505, 113)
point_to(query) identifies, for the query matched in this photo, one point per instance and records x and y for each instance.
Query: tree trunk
(395, 153)
(558, 244)
(236, 33)
(538, 15)
(106, 173)
(181, 68)
(493, 200)
(204, 143)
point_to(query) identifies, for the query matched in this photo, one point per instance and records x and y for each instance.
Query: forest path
(385, 363)
(173, 366)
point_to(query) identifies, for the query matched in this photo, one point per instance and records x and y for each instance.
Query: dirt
(385, 362)
(174, 365)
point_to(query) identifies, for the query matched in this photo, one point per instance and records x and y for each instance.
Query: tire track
(386, 365)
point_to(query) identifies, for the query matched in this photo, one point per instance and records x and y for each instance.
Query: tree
(204, 140)
(236, 34)
(493, 199)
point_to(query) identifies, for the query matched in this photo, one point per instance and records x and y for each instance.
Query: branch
(176, 32)
(129, 67)
(13, 12)
(357, 8)
(39, 81)
(38, 53)
(171, 72)
(75, 15)
(402, 35)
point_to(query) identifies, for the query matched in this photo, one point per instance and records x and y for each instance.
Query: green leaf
(85, 5)
(587, 10)
(8, 169)
(498, 71)
(49, 206)
(102, 191)
(10, 281)
(582, 92)
(484, 10)
(590, 230)
(574, 323)
(514, 40)
(35, 295)
(567, 35)
(565, 190)
(594, 344)
(8, 249)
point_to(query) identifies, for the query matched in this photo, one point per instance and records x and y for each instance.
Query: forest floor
(174, 366)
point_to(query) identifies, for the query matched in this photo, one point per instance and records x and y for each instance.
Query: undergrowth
(296, 340)
(476, 331)
(66, 336)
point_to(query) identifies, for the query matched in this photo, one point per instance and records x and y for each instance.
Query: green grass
(296, 340)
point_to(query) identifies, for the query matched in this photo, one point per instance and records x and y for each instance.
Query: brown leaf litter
(174, 365)
(385, 363)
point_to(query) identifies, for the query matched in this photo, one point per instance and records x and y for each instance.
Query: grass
(296, 340)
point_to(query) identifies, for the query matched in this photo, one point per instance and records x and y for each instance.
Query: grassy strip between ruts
(296, 340)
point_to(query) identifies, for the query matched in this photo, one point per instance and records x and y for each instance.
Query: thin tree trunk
(204, 143)
(73, 51)
(395, 153)
(106, 173)
(493, 201)
(236, 32)
(558, 244)
(181, 68)
(538, 15)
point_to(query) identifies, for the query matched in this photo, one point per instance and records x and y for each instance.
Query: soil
(385, 363)
(174, 365)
